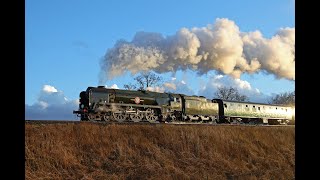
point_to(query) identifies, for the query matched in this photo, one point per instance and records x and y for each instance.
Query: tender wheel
(136, 117)
(151, 118)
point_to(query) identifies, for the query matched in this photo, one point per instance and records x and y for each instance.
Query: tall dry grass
(96, 151)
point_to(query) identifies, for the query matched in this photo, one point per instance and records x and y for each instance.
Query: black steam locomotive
(103, 104)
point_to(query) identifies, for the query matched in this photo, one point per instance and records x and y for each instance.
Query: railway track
(144, 123)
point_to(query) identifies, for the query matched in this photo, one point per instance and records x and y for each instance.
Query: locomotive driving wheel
(136, 117)
(151, 118)
(92, 117)
(106, 117)
(120, 117)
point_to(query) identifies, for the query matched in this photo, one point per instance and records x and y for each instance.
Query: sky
(70, 45)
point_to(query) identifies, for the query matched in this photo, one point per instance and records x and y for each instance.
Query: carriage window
(225, 105)
(276, 108)
(254, 106)
(259, 108)
(286, 110)
(178, 99)
(246, 105)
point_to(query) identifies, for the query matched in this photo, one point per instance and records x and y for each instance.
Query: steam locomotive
(103, 104)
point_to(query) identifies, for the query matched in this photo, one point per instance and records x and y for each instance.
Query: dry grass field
(98, 151)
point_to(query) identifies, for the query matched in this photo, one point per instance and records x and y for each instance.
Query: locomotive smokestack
(220, 47)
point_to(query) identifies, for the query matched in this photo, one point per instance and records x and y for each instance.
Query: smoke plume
(219, 46)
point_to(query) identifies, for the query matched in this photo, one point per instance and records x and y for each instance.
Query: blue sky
(65, 40)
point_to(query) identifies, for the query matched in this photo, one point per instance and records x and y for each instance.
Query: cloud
(113, 86)
(243, 87)
(220, 46)
(169, 85)
(156, 89)
(178, 87)
(173, 86)
(49, 89)
(51, 105)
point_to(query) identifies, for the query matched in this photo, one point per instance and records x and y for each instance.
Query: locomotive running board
(133, 105)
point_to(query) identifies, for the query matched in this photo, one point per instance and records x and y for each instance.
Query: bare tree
(130, 86)
(287, 98)
(230, 93)
(144, 80)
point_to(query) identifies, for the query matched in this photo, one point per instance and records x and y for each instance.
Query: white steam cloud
(220, 47)
(242, 86)
(178, 87)
(170, 85)
(156, 89)
(51, 105)
(113, 86)
(173, 86)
